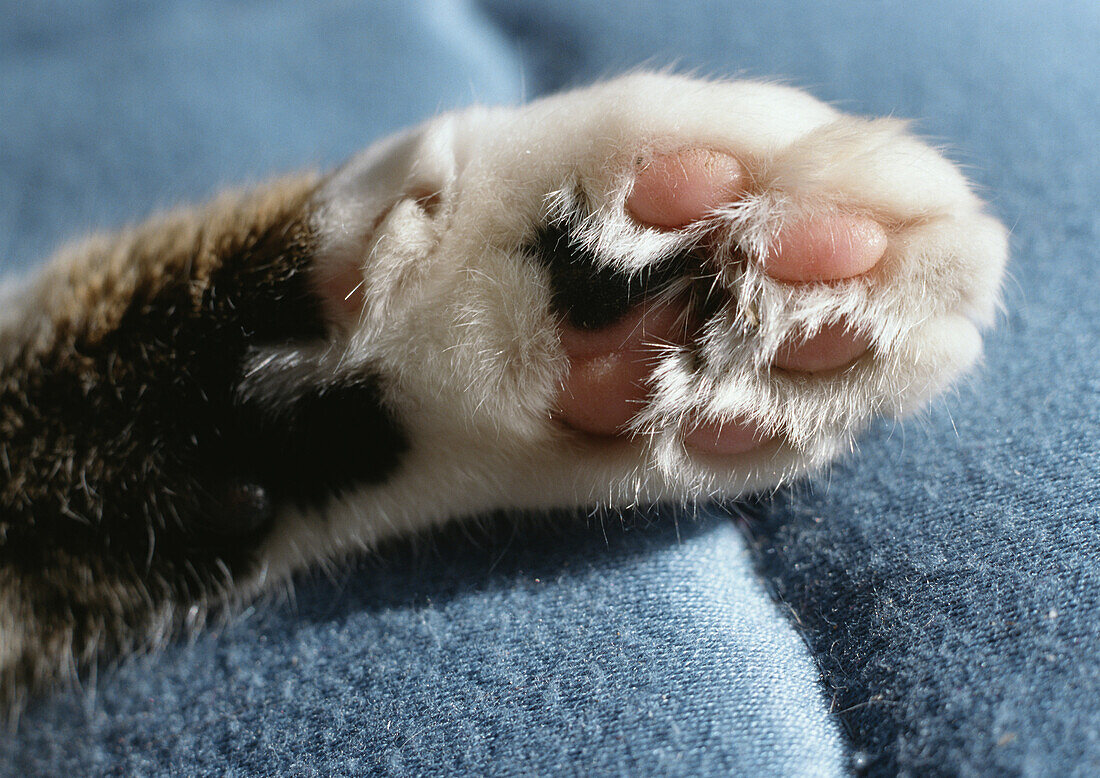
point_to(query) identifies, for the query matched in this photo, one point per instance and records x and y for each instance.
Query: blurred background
(114, 108)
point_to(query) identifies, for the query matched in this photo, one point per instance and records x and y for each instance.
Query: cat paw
(656, 288)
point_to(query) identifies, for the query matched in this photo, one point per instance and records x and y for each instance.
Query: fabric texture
(945, 577)
(558, 649)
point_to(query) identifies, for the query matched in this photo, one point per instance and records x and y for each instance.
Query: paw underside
(655, 289)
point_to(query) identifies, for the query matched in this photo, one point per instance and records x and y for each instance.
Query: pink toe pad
(833, 346)
(827, 248)
(735, 436)
(681, 188)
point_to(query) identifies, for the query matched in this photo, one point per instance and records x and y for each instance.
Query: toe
(609, 368)
(735, 436)
(681, 188)
(833, 346)
(602, 394)
(827, 248)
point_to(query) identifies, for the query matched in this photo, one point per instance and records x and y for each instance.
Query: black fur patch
(333, 438)
(588, 293)
(131, 474)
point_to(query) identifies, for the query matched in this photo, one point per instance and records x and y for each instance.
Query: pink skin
(678, 189)
(833, 346)
(827, 248)
(342, 294)
(609, 368)
(735, 436)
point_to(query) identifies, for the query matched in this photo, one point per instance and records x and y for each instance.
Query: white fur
(458, 320)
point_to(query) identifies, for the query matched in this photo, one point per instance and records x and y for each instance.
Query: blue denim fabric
(562, 649)
(945, 577)
(112, 109)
